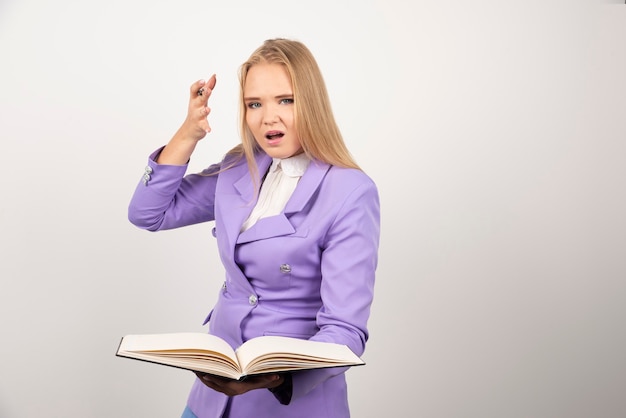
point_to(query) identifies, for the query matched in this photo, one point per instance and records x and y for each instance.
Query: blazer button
(146, 175)
(252, 300)
(285, 268)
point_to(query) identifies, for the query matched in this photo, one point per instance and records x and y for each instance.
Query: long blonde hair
(317, 130)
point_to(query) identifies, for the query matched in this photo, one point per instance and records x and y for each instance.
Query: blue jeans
(188, 414)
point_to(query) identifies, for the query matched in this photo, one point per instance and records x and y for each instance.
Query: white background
(495, 130)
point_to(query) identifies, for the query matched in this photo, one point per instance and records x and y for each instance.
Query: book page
(292, 351)
(182, 341)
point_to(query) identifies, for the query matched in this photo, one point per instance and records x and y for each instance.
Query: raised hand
(196, 122)
(194, 128)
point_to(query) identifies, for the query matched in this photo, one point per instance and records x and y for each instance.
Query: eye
(253, 105)
(286, 101)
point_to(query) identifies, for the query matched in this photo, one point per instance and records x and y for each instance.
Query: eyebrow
(280, 96)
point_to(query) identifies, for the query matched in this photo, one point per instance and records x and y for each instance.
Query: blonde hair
(317, 130)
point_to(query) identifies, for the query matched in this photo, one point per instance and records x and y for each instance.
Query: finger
(212, 81)
(207, 88)
(214, 379)
(225, 386)
(208, 380)
(204, 123)
(195, 88)
(263, 381)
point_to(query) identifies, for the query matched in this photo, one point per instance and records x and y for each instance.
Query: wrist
(178, 151)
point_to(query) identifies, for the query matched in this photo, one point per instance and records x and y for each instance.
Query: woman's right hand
(194, 128)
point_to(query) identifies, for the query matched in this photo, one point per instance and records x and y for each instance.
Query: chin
(275, 153)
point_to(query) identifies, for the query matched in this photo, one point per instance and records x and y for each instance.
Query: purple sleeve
(349, 262)
(165, 198)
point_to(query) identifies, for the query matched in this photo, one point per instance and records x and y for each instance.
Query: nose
(270, 116)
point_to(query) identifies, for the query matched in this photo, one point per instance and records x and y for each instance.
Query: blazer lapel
(280, 225)
(237, 203)
(307, 186)
(272, 226)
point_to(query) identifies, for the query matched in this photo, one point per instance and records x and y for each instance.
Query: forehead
(267, 79)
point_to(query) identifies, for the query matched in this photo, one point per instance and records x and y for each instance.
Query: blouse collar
(294, 166)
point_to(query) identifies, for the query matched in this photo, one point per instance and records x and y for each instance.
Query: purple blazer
(306, 273)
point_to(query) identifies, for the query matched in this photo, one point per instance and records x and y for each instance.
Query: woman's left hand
(235, 387)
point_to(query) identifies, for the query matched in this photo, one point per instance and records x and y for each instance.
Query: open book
(210, 354)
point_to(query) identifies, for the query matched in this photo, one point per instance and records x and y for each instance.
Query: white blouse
(280, 182)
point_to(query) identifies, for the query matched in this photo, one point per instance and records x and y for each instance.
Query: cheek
(287, 118)
(251, 118)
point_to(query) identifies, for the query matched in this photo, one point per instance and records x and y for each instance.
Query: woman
(296, 223)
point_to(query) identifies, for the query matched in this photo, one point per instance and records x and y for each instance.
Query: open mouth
(273, 135)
